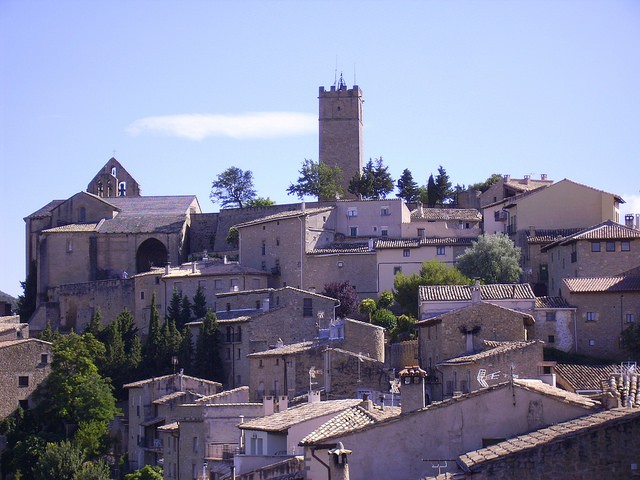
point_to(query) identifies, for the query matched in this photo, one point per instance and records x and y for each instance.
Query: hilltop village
(489, 381)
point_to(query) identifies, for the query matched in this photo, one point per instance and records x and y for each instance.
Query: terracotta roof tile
(550, 235)
(552, 302)
(496, 291)
(441, 214)
(74, 227)
(555, 433)
(348, 421)
(284, 215)
(491, 349)
(147, 381)
(603, 284)
(281, 421)
(360, 247)
(284, 350)
(585, 377)
(46, 210)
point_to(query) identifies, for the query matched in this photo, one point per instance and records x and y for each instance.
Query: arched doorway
(151, 253)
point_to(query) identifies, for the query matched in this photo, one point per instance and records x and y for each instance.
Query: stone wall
(608, 451)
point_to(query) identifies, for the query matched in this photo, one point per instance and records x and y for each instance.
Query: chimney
(338, 466)
(282, 403)
(268, 404)
(476, 297)
(412, 388)
(193, 266)
(628, 220)
(225, 260)
(532, 230)
(421, 209)
(506, 178)
(314, 396)
(526, 179)
(371, 244)
(265, 304)
(543, 176)
(366, 404)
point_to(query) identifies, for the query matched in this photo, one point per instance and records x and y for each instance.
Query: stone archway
(151, 253)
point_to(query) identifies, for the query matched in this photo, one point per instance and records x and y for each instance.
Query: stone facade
(24, 364)
(113, 181)
(555, 323)
(340, 126)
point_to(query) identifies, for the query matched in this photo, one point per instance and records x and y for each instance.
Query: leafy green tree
(92, 438)
(171, 343)
(59, 461)
(345, 294)
(405, 328)
(487, 184)
(431, 273)
(96, 470)
(48, 335)
(260, 202)
(631, 341)
(233, 187)
(384, 318)
(367, 306)
(407, 188)
(147, 472)
(374, 182)
(199, 308)
(123, 351)
(385, 300)
(317, 180)
(492, 258)
(233, 237)
(27, 301)
(186, 352)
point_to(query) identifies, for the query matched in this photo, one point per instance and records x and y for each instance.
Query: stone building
(605, 306)
(420, 437)
(340, 127)
(510, 187)
(602, 250)
(154, 402)
(24, 364)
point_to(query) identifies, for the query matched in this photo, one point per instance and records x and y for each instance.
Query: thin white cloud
(243, 126)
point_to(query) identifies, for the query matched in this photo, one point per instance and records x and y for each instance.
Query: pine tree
(95, 326)
(27, 301)
(407, 187)
(443, 187)
(186, 353)
(185, 313)
(199, 307)
(207, 357)
(153, 346)
(174, 308)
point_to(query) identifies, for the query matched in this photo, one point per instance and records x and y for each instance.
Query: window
(141, 295)
(217, 284)
(611, 246)
(397, 270)
(625, 246)
(592, 343)
(195, 444)
(82, 215)
(44, 358)
(574, 252)
(352, 212)
(591, 316)
(264, 247)
(239, 354)
(340, 264)
(421, 232)
(384, 231)
(353, 231)
(406, 252)
(385, 212)
(595, 247)
(630, 317)
(552, 339)
(551, 316)
(440, 250)
(239, 335)
(23, 381)
(113, 171)
(122, 189)
(257, 304)
(228, 307)
(260, 365)
(307, 307)
(263, 266)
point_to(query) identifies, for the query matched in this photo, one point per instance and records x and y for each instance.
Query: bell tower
(340, 123)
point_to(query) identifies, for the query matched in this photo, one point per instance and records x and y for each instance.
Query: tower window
(113, 171)
(122, 189)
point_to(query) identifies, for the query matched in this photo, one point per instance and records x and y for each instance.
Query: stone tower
(341, 131)
(113, 181)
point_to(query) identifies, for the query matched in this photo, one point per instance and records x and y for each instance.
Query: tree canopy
(408, 189)
(345, 294)
(317, 180)
(493, 259)
(233, 188)
(488, 183)
(405, 287)
(374, 182)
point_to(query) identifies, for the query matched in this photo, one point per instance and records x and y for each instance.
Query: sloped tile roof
(147, 381)
(526, 184)
(360, 247)
(348, 421)
(491, 349)
(74, 227)
(157, 205)
(555, 433)
(11, 343)
(552, 302)
(608, 230)
(585, 377)
(212, 268)
(550, 235)
(284, 215)
(284, 350)
(603, 284)
(46, 210)
(441, 214)
(281, 421)
(494, 291)
(389, 243)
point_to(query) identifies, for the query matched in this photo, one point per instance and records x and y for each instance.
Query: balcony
(222, 451)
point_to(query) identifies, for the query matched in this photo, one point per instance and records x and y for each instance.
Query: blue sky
(183, 90)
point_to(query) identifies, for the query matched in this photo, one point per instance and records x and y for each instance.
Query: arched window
(113, 171)
(122, 189)
(82, 215)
